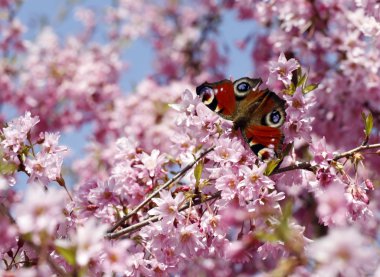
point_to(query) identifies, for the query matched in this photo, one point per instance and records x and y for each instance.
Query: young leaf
(302, 80)
(368, 124)
(7, 168)
(267, 237)
(198, 173)
(67, 253)
(271, 165)
(310, 88)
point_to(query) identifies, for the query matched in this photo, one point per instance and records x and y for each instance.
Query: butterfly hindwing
(264, 141)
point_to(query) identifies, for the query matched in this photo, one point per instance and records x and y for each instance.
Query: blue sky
(35, 13)
(139, 55)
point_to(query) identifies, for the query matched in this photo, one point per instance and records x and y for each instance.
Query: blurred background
(65, 18)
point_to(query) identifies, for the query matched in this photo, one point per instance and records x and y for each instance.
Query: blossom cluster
(166, 186)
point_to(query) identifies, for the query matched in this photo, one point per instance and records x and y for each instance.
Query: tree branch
(355, 150)
(309, 167)
(297, 165)
(151, 219)
(178, 176)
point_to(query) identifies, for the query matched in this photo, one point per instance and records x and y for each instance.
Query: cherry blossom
(164, 186)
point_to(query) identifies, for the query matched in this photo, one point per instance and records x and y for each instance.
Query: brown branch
(178, 176)
(151, 219)
(355, 150)
(303, 165)
(309, 167)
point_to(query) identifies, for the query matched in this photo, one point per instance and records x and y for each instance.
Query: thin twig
(355, 150)
(164, 186)
(303, 165)
(309, 167)
(151, 219)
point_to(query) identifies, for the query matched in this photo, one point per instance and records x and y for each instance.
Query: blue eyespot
(275, 117)
(243, 87)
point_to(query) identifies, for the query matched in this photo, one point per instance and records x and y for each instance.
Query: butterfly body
(257, 113)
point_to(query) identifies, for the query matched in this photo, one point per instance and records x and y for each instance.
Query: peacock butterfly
(259, 114)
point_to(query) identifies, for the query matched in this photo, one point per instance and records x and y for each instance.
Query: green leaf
(198, 172)
(302, 80)
(267, 237)
(299, 74)
(7, 168)
(292, 88)
(271, 165)
(310, 88)
(287, 211)
(67, 253)
(368, 124)
(283, 229)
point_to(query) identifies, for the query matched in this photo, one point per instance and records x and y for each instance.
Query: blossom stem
(178, 176)
(151, 219)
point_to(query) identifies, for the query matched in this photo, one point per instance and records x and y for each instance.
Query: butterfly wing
(262, 132)
(265, 142)
(219, 97)
(260, 115)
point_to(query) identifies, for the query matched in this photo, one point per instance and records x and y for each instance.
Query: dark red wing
(219, 97)
(263, 138)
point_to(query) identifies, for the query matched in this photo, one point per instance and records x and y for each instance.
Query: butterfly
(258, 114)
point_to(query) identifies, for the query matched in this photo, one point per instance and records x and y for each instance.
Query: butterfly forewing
(219, 97)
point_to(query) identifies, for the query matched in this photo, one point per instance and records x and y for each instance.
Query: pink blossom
(298, 104)
(228, 151)
(35, 216)
(44, 167)
(106, 193)
(322, 156)
(254, 181)
(271, 250)
(297, 128)
(8, 236)
(87, 241)
(152, 162)
(343, 251)
(325, 177)
(136, 143)
(168, 207)
(16, 133)
(282, 70)
(115, 256)
(228, 185)
(50, 143)
(332, 205)
(190, 240)
(211, 223)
